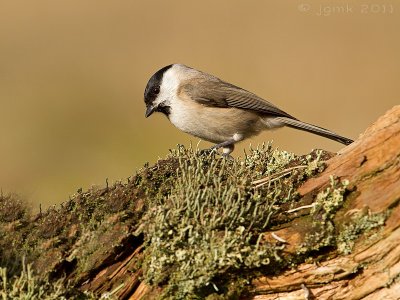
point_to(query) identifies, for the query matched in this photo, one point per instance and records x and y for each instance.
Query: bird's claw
(206, 152)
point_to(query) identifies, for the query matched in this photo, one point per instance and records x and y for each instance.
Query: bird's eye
(156, 90)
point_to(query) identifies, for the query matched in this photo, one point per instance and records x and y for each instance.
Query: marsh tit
(216, 111)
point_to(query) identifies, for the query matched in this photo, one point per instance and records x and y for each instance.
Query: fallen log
(270, 226)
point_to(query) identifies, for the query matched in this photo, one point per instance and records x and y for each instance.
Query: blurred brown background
(72, 75)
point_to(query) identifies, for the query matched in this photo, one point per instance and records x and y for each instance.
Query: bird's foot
(227, 156)
(214, 151)
(209, 151)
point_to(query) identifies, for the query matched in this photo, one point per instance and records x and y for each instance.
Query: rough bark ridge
(372, 270)
(338, 238)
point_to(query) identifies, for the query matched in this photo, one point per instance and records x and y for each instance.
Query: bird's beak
(149, 111)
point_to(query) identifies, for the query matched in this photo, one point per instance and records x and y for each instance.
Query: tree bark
(372, 270)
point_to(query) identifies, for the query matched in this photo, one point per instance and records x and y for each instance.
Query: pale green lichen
(361, 223)
(314, 165)
(211, 222)
(322, 213)
(329, 200)
(29, 286)
(201, 216)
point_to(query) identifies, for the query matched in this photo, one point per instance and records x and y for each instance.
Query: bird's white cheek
(162, 99)
(168, 88)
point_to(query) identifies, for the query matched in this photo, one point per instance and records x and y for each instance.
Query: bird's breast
(214, 124)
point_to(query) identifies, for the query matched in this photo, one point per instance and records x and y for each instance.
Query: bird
(216, 111)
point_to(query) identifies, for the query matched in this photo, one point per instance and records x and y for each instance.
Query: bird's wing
(218, 93)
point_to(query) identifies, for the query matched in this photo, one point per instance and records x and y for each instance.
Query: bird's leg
(227, 150)
(227, 147)
(227, 144)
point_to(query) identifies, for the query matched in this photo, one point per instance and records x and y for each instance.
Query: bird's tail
(314, 129)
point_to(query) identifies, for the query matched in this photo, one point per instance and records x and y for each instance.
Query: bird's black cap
(153, 85)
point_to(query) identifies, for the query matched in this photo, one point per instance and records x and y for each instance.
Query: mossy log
(320, 226)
